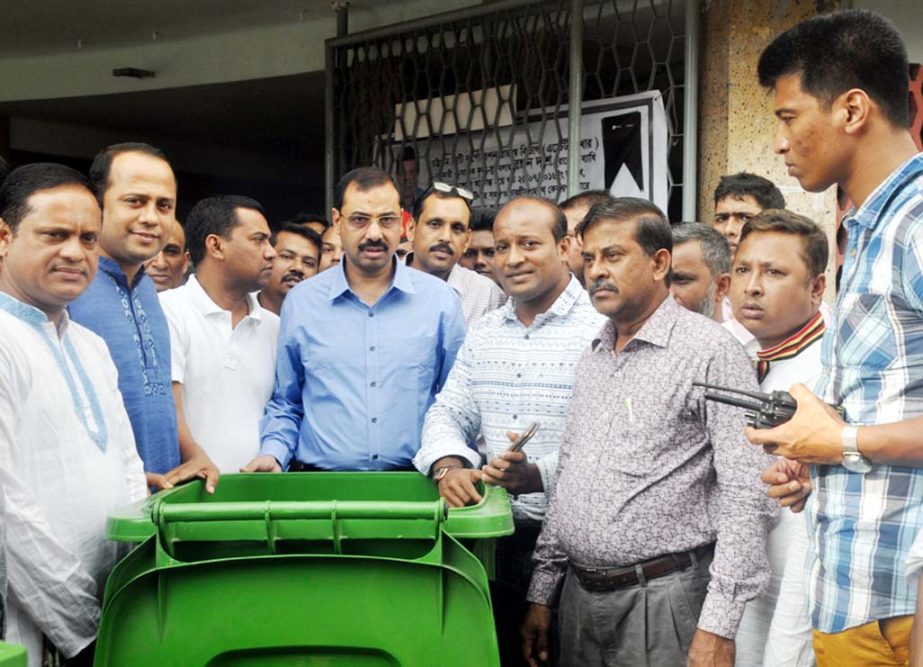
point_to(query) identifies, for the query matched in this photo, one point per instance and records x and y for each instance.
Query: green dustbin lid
(365, 493)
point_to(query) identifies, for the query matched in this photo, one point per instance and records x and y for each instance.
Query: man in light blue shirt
(363, 348)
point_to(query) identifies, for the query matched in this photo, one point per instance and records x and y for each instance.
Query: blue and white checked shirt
(863, 525)
(507, 376)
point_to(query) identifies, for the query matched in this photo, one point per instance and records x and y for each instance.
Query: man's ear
(6, 237)
(722, 286)
(214, 246)
(335, 218)
(662, 261)
(186, 260)
(854, 107)
(412, 227)
(818, 287)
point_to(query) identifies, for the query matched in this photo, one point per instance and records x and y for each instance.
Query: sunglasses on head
(449, 189)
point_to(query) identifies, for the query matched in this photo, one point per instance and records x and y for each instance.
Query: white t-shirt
(227, 373)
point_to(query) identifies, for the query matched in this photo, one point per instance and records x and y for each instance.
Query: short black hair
(303, 218)
(559, 223)
(716, 252)
(816, 248)
(835, 52)
(102, 163)
(214, 215)
(652, 229)
(482, 219)
(588, 198)
(741, 184)
(432, 192)
(304, 232)
(25, 181)
(365, 178)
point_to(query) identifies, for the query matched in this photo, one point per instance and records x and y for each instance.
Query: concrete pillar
(736, 124)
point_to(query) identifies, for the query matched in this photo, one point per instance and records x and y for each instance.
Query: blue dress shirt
(129, 318)
(353, 381)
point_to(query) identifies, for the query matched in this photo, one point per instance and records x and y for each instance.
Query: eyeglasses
(449, 189)
(360, 221)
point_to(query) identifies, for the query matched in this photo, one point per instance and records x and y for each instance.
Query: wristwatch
(852, 457)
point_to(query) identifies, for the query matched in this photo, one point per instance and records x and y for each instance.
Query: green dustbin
(12, 655)
(355, 569)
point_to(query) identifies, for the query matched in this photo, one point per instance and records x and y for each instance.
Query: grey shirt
(647, 467)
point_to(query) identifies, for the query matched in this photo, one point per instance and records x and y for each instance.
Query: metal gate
(469, 84)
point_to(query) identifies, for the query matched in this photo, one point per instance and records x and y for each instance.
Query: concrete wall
(210, 58)
(736, 123)
(907, 16)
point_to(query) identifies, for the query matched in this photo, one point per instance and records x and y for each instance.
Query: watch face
(855, 462)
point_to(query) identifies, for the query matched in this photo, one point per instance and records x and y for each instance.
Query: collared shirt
(743, 335)
(770, 362)
(129, 318)
(507, 376)
(353, 381)
(784, 605)
(649, 467)
(872, 357)
(226, 371)
(67, 461)
(479, 294)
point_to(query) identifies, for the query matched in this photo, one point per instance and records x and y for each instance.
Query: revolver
(763, 410)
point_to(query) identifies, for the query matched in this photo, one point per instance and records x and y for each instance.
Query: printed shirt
(479, 295)
(864, 525)
(507, 376)
(353, 381)
(648, 467)
(67, 462)
(129, 318)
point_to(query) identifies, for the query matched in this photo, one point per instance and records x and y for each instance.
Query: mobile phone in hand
(521, 441)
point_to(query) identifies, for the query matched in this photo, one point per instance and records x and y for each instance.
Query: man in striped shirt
(516, 367)
(840, 94)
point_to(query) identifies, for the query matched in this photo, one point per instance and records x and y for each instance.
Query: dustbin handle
(168, 517)
(307, 509)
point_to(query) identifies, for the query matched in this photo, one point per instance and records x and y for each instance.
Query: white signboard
(623, 149)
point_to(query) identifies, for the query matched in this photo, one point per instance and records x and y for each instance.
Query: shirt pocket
(866, 335)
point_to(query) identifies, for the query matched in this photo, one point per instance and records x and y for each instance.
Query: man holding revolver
(840, 94)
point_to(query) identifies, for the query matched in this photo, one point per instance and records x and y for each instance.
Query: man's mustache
(443, 247)
(373, 244)
(597, 285)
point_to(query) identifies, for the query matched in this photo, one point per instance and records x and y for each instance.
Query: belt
(613, 578)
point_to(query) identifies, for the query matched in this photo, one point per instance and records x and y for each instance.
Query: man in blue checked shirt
(363, 348)
(840, 94)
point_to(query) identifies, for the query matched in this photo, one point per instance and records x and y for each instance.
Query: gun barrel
(734, 400)
(758, 395)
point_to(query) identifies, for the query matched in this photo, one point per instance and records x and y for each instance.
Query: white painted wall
(244, 54)
(907, 16)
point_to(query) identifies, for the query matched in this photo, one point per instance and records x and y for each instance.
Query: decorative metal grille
(454, 96)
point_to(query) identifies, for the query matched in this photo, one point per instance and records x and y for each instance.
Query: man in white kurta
(67, 453)
(67, 461)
